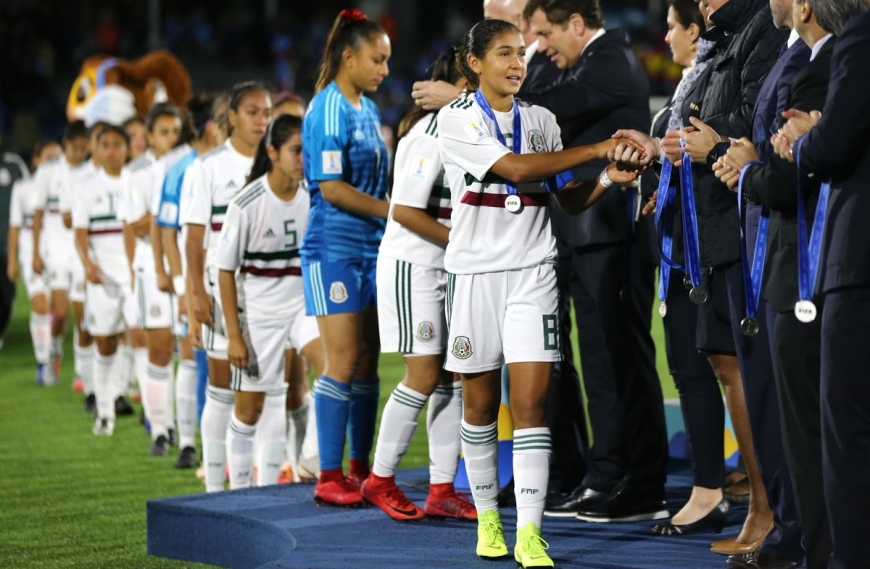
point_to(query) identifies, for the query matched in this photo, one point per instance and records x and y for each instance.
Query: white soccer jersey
(260, 237)
(419, 182)
(21, 216)
(213, 180)
(52, 181)
(95, 209)
(485, 236)
(68, 191)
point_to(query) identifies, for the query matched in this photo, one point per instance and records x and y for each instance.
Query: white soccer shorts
(156, 308)
(33, 283)
(77, 288)
(502, 318)
(109, 308)
(411, 307)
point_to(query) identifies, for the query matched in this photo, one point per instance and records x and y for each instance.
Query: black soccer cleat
(186, 458)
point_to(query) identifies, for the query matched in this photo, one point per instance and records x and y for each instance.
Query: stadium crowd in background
(259, 240)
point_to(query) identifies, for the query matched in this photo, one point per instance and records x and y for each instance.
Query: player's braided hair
(477, 42)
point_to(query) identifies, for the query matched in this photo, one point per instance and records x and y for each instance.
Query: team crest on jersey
(337, 292)
(425, 331)
(5, 177)
(475, 131)
(462, 347)
(536, 141)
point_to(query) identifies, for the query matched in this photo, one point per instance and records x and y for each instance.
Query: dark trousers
(845, 403)
(762, 405)
(7, 296)
(700, 396)
(565, 412)
(617, 359)
(796, 349)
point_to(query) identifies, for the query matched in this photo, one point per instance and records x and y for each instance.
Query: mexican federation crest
(536, 141)
(462, 347)
(425, 331)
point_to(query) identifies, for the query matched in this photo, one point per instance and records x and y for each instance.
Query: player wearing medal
(346, 167)
(20, 255)
(207, 117)
(215, 178)
(259, 251)
(53, 251)
(99, 240)
(411, 284)
(500, 157)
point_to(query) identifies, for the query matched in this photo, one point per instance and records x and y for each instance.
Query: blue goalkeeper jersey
(170, 193)
(341, 142)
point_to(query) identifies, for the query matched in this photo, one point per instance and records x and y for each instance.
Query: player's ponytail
(279, 132)
(444, 69)
(477, 41)
(350, 29)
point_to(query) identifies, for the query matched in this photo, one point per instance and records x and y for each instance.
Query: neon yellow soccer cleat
(490, 535)
(531, 549)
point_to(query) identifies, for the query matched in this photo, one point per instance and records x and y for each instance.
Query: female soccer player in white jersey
(20, 255)
(215, 179)
(156, 308)
(411, 283)
(259, 249)
(208, 119)
(499, 156)
(53, 251)
(99, 239)
(346, 170)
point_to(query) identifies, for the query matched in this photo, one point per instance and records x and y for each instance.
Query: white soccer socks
(218, 408)
(398, 423)
(480, 447)
(271, 437)
(155, 398)
(40, 332)
(442, 428)
(531, 460)
(104, 385)
(240, 452)
(185, 400)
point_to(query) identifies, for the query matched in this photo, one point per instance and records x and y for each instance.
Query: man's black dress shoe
(714, 520)
(759, 560)
(580, 499)
(627, 503)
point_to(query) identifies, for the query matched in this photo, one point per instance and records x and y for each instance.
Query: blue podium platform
(281, 527)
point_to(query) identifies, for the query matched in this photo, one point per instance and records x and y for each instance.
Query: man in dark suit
(604, 87)
(795, 345)
(838, 149)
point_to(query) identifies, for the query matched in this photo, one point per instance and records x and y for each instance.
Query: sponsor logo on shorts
(425, 331)
(337, 292)
(462, 347)
(536, 141)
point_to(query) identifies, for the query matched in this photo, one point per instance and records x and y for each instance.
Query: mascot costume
(113, 90)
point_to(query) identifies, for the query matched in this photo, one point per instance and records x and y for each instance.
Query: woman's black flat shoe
(715, 521)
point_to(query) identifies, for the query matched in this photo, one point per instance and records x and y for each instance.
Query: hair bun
(354, 15)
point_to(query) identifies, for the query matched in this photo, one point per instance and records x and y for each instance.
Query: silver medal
(805, 311)
(749, 326)
(513, 204)
(663, 309)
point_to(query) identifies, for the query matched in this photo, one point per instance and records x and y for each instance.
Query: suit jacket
(605, 91)
(772, 97)
(774, 185)
(838, 148)
(541, 73)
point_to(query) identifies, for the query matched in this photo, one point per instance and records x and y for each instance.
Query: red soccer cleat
(78, 385)
(444, 502)
(334, 489)
(383, 493)
(359, 471)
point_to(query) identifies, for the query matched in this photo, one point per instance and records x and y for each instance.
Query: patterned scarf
(690, 77)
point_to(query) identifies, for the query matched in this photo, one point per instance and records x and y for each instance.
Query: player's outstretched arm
(343, 195)
(535, 166)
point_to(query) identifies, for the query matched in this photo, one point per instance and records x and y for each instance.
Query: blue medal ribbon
(690, 217)
(810, 253)
(753, 276)
(517, 137)
(664, 219)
